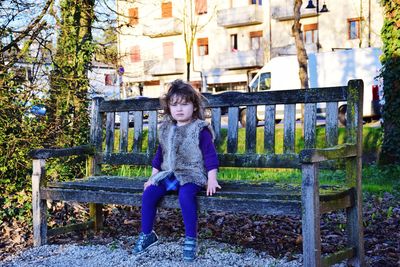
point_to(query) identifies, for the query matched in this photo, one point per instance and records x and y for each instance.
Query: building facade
(233, 39)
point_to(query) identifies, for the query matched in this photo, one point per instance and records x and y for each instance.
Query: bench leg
(354, 224)
(39, 207)
(310, 216)
(96, 214)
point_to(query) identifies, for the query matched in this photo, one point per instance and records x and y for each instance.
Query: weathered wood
(70, 228)
(251, 129)
(338, 257)
(310, 216)
(289, 128)
(123, 132)
(125, 158)
(39, 207)
(152, 132)
(96, 133)
(331, 127)
(138, 131)
(96, 215)
(216, 124)
(354, 126)
(269, 129)
(46, 153)
(110, 132)
(310, 122)
(336, 202)
(259, 160)
(256, 206)
(233, 119)
(324, 154)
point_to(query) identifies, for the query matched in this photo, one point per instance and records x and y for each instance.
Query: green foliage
(390, 35)
(68, 105)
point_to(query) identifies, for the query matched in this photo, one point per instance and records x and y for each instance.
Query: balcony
(241, 59)
(163, 27)
(284, 13)
(240, 16)
(164, 66)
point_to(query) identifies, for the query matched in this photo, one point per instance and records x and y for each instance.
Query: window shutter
(201, 7)
(166, 10)
(256, 34)
(135, 53)
(133, 16)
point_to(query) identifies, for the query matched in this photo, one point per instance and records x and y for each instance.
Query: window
(168, 49)
(201, 7)
(202, 44)
(234, 43)
(354, 28)
(310, 33)
(135, 53)
(256, 2)
(110, 79)
(255, 40)
(166, 10)
(133, 16)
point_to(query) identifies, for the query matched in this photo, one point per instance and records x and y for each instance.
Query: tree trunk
(301, 51)
(188, 71)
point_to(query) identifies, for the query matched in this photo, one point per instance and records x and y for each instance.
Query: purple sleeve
(208, 150)
(157, 160)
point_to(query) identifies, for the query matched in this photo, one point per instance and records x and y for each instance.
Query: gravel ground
(166, 253)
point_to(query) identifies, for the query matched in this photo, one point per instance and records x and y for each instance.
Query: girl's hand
(146, 184)
(212, 186)
(212, 183)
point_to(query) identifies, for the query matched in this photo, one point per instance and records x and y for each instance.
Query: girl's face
(181, 110)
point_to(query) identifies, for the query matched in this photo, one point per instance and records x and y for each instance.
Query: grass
(375, 180)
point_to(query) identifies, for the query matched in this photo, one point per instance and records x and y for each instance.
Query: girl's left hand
(212, 186)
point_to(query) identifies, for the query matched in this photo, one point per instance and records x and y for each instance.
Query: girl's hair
(183, 92)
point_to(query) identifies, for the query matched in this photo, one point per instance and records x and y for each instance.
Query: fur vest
(181, 153)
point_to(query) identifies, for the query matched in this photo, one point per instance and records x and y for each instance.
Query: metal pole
(317, 26)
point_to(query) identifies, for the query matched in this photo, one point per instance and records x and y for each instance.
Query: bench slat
(214, 203)
(331, 128)
(152, 132)
(216, 124)
(110, 128)
(310, 122)
(233, 119)
(289, 121)
(123, 132)
(269, 129)
(259, 160)
(251, 129)
(138, 131)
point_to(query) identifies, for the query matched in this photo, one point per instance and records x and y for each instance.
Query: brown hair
(185, 92)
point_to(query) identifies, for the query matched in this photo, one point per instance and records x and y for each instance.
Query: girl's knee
(188, 192)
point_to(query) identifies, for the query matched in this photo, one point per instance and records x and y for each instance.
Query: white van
(324, 70)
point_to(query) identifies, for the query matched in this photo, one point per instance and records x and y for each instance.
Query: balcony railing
(164, 66)
(240, 16)
(241, 59)
(163, 27)
(283, 13)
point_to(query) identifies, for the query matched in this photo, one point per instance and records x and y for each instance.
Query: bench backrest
(130, 146)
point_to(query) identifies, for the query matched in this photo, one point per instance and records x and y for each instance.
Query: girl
(185, 161)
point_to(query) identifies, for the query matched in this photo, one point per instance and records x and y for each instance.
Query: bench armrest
(46, 153)
(313, 155)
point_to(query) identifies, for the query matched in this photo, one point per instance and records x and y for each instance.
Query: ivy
(390, 35)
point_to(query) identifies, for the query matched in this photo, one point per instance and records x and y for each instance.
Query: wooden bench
(308, 200)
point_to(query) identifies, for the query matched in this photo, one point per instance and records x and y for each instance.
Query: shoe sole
(144, 250)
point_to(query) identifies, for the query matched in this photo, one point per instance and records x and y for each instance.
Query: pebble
(165, 253)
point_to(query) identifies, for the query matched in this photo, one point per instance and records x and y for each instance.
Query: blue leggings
(187, 200)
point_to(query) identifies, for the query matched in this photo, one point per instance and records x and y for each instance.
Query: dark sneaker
(189, 249)
(144, 242)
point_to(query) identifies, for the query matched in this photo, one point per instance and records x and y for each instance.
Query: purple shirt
(207, 149)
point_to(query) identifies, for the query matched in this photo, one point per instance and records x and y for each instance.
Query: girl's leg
(188, 202)
(150, 198)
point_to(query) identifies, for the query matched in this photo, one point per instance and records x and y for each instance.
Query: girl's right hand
(146, 184)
